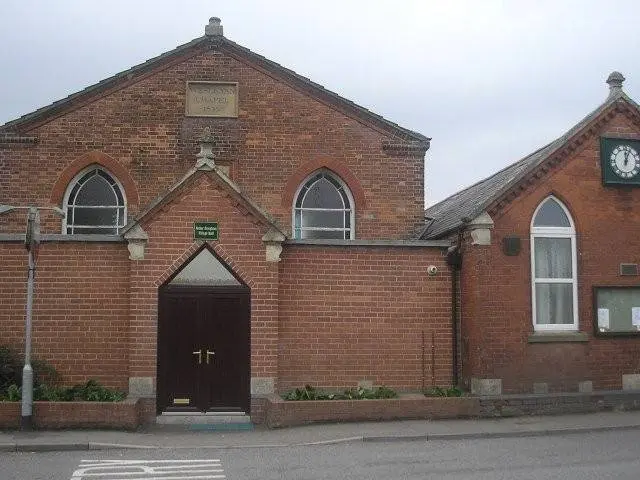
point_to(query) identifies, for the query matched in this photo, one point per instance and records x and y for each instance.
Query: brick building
(234, 230)
(548, 261)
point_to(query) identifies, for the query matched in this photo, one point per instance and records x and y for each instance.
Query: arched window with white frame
(553, 268)
(94, 203)
(323, 208)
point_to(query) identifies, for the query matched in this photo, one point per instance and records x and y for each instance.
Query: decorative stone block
(540, 388)
(480, 228)
(368, 384)
(137, 239)
(631, 381)
(585, 387)
(486, 386)
(262, 385)
(141, 387)
(273, 245)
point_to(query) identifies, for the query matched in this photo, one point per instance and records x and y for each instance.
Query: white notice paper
(603, 318)
(635, 316)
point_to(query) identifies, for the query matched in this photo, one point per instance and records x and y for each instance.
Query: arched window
(94, 203)
(553, 268)
(323, 208)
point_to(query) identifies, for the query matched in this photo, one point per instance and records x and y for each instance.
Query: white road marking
(207, 469)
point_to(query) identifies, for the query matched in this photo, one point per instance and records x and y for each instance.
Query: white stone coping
(372, 243)
(61, 237)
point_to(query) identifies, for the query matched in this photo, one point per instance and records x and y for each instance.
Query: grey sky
(489, 81)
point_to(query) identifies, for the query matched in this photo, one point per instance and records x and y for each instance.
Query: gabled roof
(221, 43)
(205, 167)
(450, 214)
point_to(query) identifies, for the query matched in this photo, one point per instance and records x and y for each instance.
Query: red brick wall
(143, 126)
(171, 244)
(496, 289)
(354, 313)
(96, 311)
(80, 312)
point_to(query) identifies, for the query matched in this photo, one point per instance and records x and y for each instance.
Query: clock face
(625, 161)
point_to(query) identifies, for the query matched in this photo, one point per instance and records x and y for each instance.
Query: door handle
(209, 352)
(199, 354)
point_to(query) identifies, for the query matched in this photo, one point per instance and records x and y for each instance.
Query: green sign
(205, 230)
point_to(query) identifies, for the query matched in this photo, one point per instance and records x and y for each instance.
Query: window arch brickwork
(98, 158)
(339, 169)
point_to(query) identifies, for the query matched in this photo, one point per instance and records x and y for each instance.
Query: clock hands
(626, 157)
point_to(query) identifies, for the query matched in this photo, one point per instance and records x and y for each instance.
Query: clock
(620, 161)
(625, 161)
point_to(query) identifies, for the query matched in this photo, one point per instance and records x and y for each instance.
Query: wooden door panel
(227, 328)
(177, 375)
(197, 319)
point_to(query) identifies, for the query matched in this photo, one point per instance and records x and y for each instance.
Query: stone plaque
(212, 99)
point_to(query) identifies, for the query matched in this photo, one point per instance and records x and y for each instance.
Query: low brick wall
(558, 403)
(10, 415)
(281, 413)
(124, 415)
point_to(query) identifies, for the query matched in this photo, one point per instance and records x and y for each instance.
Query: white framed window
(553, 268)
(94, 203)
(323, 208)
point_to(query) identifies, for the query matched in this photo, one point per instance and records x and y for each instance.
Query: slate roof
(447, 216)
(346, 106)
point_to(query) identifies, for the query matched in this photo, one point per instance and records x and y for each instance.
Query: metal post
(27, 371)
(31, 241)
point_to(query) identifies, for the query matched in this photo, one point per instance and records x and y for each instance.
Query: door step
(223, 421)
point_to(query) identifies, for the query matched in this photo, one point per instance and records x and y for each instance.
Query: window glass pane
(96, 191)
(552, 257)
(322, 195)
(617, 308)
(322, 234)
(554, 303)
(322, 203)
(320, 218)
(94, 230)
(95, 216)
(551, 214)
(303, 190)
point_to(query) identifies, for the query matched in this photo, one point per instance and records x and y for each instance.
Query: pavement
(319, 434)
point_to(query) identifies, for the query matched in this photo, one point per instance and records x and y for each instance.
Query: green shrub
(91, 391)
(10, 369)
(307, 393)
(11, 365)
(45, 380)
(310, 393)
(443, 392)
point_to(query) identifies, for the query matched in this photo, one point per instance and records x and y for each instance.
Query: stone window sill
(554, 337)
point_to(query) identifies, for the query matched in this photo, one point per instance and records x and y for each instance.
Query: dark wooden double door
(203, 349)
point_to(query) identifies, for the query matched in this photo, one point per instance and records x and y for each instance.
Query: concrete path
(405, 430)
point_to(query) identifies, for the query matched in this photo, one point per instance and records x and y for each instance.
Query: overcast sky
(489, 81)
